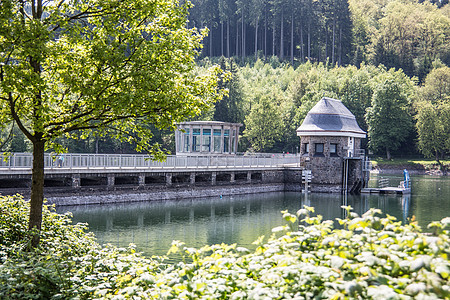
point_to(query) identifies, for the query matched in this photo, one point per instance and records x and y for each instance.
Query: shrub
(45, 271)
(366, 257)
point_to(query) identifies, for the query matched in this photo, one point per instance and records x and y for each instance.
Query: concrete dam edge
(162, 194)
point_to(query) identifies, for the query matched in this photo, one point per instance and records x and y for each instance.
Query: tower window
(333, 150)
(318, 149)
(306, 148)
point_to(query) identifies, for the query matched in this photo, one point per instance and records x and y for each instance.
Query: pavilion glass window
(196, 140)
(233, 141)
(226, 140)
(217, 138)
(206, 140)
(306, 148)
(186, 140)
(178, 137)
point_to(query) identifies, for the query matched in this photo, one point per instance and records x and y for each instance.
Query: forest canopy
(284, 55)
(398, 34)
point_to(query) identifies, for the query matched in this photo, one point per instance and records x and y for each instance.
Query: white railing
(367, 166)
(87, 161)
(356, 153)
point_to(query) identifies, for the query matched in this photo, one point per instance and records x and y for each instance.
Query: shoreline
(412, 169)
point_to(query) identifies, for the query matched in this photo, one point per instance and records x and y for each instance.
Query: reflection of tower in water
(405, 207)
(306, 200)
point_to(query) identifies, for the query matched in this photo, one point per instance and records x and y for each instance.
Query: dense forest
(387, 60)
(403, 34)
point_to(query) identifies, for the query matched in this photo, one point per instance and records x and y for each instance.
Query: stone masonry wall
(328, 168)
(162, 194)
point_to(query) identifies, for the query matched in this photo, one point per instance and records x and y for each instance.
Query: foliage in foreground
(367, 257)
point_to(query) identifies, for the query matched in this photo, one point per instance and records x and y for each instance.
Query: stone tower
(330, 141)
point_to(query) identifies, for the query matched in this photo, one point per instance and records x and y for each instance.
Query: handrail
(356, 153)
(367, 165)
(87, 161)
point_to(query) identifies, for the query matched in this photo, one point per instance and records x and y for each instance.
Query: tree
(437, 85)
(263, 124)
(256, 13)
(12, 140)
(226, 11)
(96, 67)
(433, 114)
(356, 90)
(230, 107)
(389, 120)
(433, 121)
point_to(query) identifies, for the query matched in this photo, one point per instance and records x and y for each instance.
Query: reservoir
(241, 219)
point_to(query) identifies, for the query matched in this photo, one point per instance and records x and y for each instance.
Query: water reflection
(405, 207)
(153, 225)
(241, 219)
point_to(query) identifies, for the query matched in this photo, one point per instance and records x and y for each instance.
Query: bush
(42, 272)
(367, 257)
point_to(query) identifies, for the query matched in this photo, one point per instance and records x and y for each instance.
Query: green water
(152, 226)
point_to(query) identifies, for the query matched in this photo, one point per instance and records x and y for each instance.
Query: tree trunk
(442, 167)
(256, 38)
(221, 38)
(243, 35)
(340, 47)
(282, 36)
(204, 42)
(292, 38)
(37, 173)
(273, 38)
(228, 38)
(265, 34)
(325, 57)
(388, 154)
(437, 157)
(211, 40)
(37, 190)
(333, 42)
(237, 37)
(302, 46)
(309, 39)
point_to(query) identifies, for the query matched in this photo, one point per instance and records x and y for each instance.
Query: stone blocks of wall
(328, 168)
(163, 194)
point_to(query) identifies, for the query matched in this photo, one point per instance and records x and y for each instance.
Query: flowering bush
(367, 257)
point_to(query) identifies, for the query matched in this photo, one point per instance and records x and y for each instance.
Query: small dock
(403, 188)
(386, 190)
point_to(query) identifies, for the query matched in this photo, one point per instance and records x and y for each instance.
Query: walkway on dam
(21, 163)
(70, 172)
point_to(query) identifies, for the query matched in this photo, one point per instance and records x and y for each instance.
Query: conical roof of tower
(329, 117)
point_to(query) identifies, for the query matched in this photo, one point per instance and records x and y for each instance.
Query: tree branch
(97, 125)
(10, 135)
(17, 119)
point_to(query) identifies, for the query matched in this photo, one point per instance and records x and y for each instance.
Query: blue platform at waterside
(403, 188)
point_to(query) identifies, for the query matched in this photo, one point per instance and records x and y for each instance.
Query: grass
(426, 163)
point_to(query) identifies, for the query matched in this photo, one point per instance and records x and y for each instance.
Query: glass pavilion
(206, 138)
